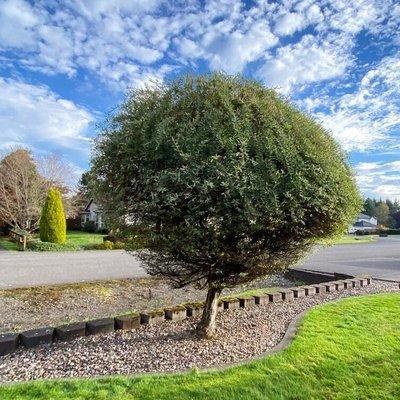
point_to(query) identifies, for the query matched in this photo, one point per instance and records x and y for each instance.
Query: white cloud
(364, 119)
(353, 16)
(388, 191)
(379, 179)
(304, 62)
(34, 116)
(290, 23)
(17, 21)
(95, 35)
(231, 52)
(188, 48)
(121, 40)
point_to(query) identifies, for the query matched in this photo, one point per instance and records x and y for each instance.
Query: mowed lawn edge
(77, 238)
(349, 349)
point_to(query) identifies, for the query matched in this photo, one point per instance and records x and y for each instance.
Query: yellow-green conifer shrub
(52, 222)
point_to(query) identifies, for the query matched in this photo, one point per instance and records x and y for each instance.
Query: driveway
(381, 259)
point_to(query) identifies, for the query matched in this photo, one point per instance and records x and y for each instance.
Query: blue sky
(65, 64)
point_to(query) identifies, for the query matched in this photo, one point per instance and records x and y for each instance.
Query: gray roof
(364, 224)
(363, 216)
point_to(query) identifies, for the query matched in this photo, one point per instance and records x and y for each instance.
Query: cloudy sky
(65, 64)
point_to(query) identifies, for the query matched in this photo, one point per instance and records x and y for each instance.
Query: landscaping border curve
(9, 342)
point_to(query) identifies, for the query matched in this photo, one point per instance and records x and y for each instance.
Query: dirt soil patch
(29, 308)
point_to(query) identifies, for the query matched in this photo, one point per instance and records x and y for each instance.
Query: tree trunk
(206, 326)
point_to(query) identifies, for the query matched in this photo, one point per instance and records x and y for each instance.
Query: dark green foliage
(103, 231)
(38, 245)
(369, 206)
(389, 231)
(106, 245)
(230, 180)
(89, 226)
(387, 212)
(52, 222)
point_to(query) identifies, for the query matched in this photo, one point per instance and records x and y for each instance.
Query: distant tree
(84, 184)
(58, 173)
(396, 220)
(22, 190)
(230, 181)
(52, 222)
(382, 213)
(369, 206)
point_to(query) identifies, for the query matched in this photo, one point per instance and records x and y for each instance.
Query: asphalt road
(24, 269)
(381, 259)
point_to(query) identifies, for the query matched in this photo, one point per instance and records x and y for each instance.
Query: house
(92, 213)
(364, 223)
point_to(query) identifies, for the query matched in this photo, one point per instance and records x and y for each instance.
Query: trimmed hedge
(38, 245)
(106, 245)
(378, 232)
(389, 231)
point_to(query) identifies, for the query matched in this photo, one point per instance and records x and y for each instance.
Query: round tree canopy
(229, 180)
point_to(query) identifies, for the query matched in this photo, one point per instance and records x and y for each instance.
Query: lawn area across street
(347, 349)
(77, 238)
(81, 239)
(350, 239)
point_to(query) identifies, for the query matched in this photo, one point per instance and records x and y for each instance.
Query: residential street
(381, 259)
(18, 269)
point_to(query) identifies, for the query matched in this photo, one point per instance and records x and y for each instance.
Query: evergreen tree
(52, 221)
(369, 206)
(230, 181)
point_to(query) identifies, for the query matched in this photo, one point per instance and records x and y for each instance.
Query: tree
(230, 181)
(57, 173)
(382, 213)
(52, 222)
(396, 220)
(369, 206)
(21, 190)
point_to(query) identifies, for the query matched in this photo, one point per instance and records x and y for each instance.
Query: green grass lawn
(81, 238)
(350, 239)
(77, 238)
(345, 350)
(8, 244)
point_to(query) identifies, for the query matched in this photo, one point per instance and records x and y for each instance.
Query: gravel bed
(28, 308)
(169, 346)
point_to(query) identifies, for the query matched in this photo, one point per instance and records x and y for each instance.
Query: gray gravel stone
(24, 309)
(169, 346)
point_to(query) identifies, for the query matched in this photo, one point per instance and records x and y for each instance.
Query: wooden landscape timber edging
(10, 341)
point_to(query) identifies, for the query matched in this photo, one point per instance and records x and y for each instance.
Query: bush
(38, 245)
(127, 241)
(103, 231)
(366, 233)
(231, 180)
(389, 231)
(89, 226)
(53, 226)
(106, 245)
(137, 242)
